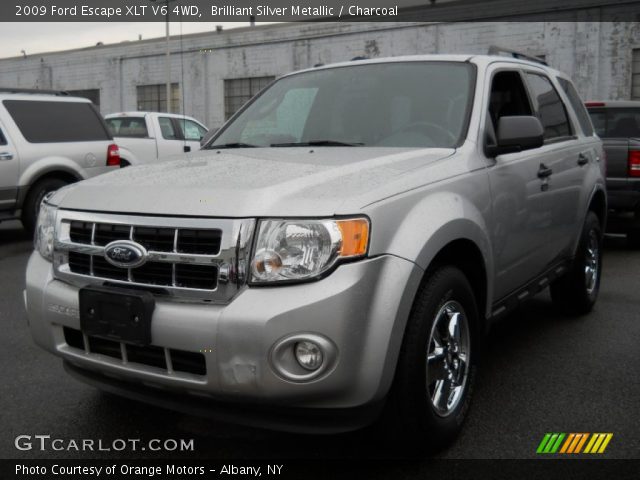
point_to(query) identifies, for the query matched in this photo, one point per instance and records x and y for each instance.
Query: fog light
(309, 355)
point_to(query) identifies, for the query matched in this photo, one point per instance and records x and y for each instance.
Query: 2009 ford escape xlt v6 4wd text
(338, 248)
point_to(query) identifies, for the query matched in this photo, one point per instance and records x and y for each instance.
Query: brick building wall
(598, 55)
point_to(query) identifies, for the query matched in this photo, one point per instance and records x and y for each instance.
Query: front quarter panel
(418, 224)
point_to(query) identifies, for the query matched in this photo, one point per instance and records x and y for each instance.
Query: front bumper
(362, 308)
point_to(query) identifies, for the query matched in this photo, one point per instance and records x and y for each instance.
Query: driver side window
(508, 97)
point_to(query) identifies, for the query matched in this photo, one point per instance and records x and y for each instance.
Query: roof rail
(59, 93)
(495, 50)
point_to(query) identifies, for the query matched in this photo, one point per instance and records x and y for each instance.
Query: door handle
(582, 159)
(6, 156)
(187, 149)
(544, 171)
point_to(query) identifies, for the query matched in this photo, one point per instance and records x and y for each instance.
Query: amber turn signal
(355, 237)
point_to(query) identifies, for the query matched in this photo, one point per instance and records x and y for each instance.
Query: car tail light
(634, 163)
(595, 104)
(113, 156)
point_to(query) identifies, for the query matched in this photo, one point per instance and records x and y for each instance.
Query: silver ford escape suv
(338, 249)
(47, 140)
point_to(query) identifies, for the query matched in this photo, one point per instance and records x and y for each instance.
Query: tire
(576, 292)
(124, 163)
(34, 198)
(416, 410)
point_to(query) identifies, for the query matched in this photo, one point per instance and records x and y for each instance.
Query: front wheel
(34, 198)
(438, 360)
(576, 293)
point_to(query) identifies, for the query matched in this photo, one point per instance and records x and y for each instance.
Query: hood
(250, 182)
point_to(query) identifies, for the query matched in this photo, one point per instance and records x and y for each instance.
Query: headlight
(294, 250)
(45, 229)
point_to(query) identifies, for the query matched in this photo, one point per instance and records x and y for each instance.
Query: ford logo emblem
(125, 254)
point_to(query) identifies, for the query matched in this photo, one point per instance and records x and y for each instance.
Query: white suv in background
(47, 140)
(145, 137)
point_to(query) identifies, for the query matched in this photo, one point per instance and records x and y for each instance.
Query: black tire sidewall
(570, 291)
(411, 394)
(35, 196)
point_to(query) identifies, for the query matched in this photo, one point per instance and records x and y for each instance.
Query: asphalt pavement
(541, 372)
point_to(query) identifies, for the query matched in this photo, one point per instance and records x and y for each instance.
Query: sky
(36, 37)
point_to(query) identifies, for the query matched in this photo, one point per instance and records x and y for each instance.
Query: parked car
(47, 140)
(145, 137)
(337, 249)
(618, 124)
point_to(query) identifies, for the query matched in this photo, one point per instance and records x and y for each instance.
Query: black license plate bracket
(119, 314)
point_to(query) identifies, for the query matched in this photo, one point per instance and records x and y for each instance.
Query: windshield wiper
(230, 145)
(318, 143)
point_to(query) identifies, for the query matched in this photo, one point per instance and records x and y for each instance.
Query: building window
(238, 91)
(153, 98)
(91, 94)
(635, 74)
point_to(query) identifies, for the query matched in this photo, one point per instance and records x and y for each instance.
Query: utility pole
(168, 65)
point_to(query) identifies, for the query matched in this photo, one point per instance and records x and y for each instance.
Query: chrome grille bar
(188, 277)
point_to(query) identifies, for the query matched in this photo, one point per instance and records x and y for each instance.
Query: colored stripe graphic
(581, 443)
(573, 443)
(598, 443)
(543, 443)
(568, 442)
(550, 443)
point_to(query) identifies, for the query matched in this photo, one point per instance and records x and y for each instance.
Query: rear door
(566, 155)
(9, 171)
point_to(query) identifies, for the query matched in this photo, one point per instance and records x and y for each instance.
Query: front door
(520, 187)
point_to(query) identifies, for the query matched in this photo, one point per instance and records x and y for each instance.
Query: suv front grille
(167, 359)
(197, 259)
(200, 242)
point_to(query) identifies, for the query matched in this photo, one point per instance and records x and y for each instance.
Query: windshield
(403, 104)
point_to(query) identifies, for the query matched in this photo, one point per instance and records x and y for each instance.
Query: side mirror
(516, 134)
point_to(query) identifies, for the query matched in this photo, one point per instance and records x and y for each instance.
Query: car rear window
(134, 127)
(56, 122)
(616, 122)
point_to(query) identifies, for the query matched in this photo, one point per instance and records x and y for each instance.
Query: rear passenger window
(166, 127)
(549, 107)
(56, 122)
(3, 141)
(578, 106)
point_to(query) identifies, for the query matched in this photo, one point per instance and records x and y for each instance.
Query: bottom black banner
(82, 469)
